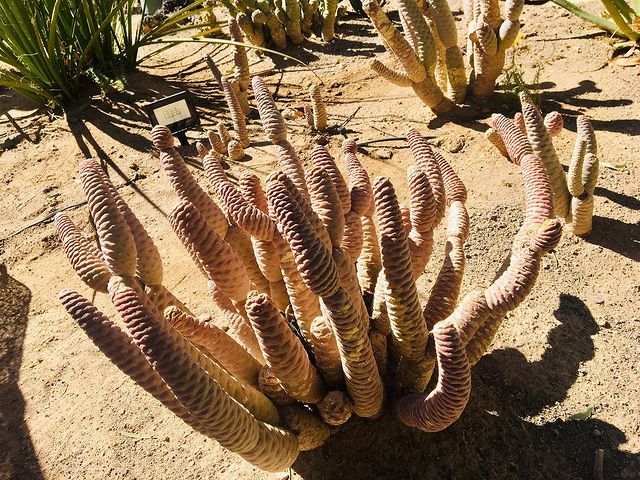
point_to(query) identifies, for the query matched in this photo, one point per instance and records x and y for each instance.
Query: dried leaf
(583, 415)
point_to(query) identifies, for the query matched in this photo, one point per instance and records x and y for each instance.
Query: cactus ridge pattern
(429, 55)
(526, 141)
(300, 352)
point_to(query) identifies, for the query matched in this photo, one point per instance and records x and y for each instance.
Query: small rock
(320, 140)
(597, 432)
(289, 114)
(598, 299)
(454, 145)
(382, 153)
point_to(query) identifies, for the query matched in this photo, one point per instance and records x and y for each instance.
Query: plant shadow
(493, 439)
(18, 459)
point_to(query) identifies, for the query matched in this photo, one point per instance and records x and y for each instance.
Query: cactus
(279, 21)
(530, 133)
(318, 108)
(293, 268)
(429, 55)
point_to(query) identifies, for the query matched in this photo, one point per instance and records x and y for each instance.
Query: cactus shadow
(495, 438)
(18, 459)
(617, 236)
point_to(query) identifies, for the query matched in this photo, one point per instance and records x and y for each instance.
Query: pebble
(598, 299)
(382, 153)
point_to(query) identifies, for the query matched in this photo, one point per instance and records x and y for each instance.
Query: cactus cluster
(315, 276)
(530, 133)
(428, 53)
(277, 22)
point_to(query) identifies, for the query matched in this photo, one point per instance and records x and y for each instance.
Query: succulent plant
(430, 59)
(318, 114)
(279, 21)
(530, 133)
(294, 269)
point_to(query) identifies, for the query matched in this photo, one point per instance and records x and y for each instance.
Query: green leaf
(583, 415)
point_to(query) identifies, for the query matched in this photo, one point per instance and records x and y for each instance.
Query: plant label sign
(176, 112)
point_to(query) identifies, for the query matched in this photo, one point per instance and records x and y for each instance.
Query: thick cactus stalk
(241, 65)
(310, 247)
(413, 61)
(318, 108)
(572, 194)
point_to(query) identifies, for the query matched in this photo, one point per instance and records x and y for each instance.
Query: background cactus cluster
(278, 22)
(315, 276)
(431, 61)
(530, 133)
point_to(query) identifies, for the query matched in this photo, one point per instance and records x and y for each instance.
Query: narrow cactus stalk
(326, 203)
(215, 71)
(183, 182)
(84, 257)
(216, 143)
(320, 157)
(116, 240)
(272, 121)
(444, 405)
(241, 66)
(237, 113)
(554, 123)
(403, 307)
(218, 261)
(283, 352)
(318, 108)
(219, 344)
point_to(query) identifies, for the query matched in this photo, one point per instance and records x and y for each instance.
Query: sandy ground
(573, 345)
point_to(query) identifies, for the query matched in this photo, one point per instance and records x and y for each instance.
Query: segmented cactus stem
(319, 109)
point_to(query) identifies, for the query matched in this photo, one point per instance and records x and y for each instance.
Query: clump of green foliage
(48, 47)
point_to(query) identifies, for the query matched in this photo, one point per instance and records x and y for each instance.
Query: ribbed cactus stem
(241, 65)
(116, 240)
(329, 19)
(318, 107)
(283, 351)
(84, 257)
(237, 113)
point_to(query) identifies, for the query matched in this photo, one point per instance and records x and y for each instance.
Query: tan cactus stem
(335, 408)
(312, 258)
(518, 119)
(513, 139)
(149, 263)
(400, 79)
(369, 262)
(237, 323)
(582, 205)
(325, 348)
(379, 347)
(348, 279)
(272, 121)
(310, 431)
(183, 182)
(447, 33)
(218, 261)
(320, 157)
(84, 257)
(237, 113)
(241, 66)
(283, 352)
(243, 246)
(554, 123)
(120, 349)
(403, 307)
(221, 346)
(543, 148)
(225, 136)
(326, 203)
(216, 143)
(421, 219)
(421, 81)
(163, 298)
(494, 137)
(291, 166)
(444, 405)
(444, 295)
(353, 238)
(116, 241)
(426, 161)
(248, 217)
(362, 378)
(201, 149)
(319, 109)
(220, 417)
(329, 19)
(254, 32)
(235, 150)
(490, 37)
(305, 205)
(360, 190)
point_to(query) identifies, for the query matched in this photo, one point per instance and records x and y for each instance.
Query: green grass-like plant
(624, 19)
(48, 46)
